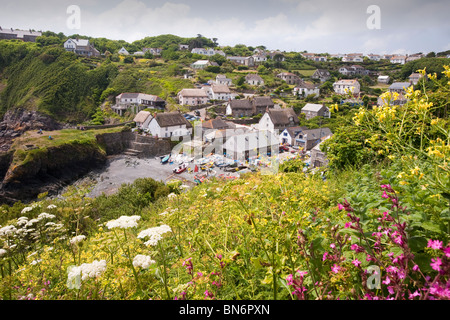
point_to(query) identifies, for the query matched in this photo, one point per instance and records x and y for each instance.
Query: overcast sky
(406, 26)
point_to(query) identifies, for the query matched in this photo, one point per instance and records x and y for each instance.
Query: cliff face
(26, 174)
(48, 169)
(17, 121)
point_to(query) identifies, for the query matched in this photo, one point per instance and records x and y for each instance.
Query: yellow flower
(403, 182)
(415, 171)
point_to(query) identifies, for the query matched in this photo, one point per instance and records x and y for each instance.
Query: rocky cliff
(17, 121)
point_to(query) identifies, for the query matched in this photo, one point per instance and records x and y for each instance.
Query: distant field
(306, 73)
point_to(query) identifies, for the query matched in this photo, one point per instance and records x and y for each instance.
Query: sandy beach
(125, 169)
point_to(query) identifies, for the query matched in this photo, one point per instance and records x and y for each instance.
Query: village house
(305, 89)
(239, 108)
(169, 124)
(398, 59)
(222, 79)
(415, 77)
(192, 97)
(202, 64)
(218, 92)
(24, 35)
(183, 47)
(243, 61)
(308, 139)
(261, 104)
(346, 85)
(318, 156)
(353, 57)
(287, 136)
(259, 58)
(353, 70)
(254, 80)
(374, 57)
(136, 102)
(251, 144)
(123, 52)
(321, 74)
(153, 51)
(81, 47)
(312, 110)
(397, 87)
(249, 107)
(215, 124)
(276, 120)
(383, 79)
(289, 77)
(143, 119)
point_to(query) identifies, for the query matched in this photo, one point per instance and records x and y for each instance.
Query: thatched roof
(170, 119)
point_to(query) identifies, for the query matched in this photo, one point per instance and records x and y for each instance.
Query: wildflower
(385, 195)
(87, 270)
(208, 294)
(415, 268)
(436, 265)
(51, 206)
(391, 289)
(435, 244)
(324, 257)
(347, 225)
(335, 268)
(143, 261)
(7, 231)
(413, 295)
(332, 246)
(447, 252)
(172, 195)
(45, 215)
(356, 262)
(290, 280)
(77, 239)
(26, 209)
(123, 222)
(188, 264)
(2, 252)
(155, 234)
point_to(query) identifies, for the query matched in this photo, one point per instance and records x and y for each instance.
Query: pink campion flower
(324, 257)
(391, 289)
(435, 244)
(302, 273)
(415, 268)
(348, 225)
(335, 268)
(387, 187)
(436, 265)
(290, 280)
(208, 294)
(385, 195)
(413, 295)
(387, 281)
(340, 206)
(356, 262)
(332, 246)
(447, 252)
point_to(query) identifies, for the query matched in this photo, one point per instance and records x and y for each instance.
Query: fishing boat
(181, 168)
(165, 159)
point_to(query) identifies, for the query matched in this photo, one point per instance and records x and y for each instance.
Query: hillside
(292, 235)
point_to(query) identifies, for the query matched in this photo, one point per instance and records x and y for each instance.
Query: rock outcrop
(17, 121)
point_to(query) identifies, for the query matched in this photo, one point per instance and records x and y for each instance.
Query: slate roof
(262, 101)
(399, 85)
(312, 107)
(314, 134)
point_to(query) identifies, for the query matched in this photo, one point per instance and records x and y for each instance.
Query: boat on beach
(165, 159)
(181, 168)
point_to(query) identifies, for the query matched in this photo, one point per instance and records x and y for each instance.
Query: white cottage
(169, 124)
